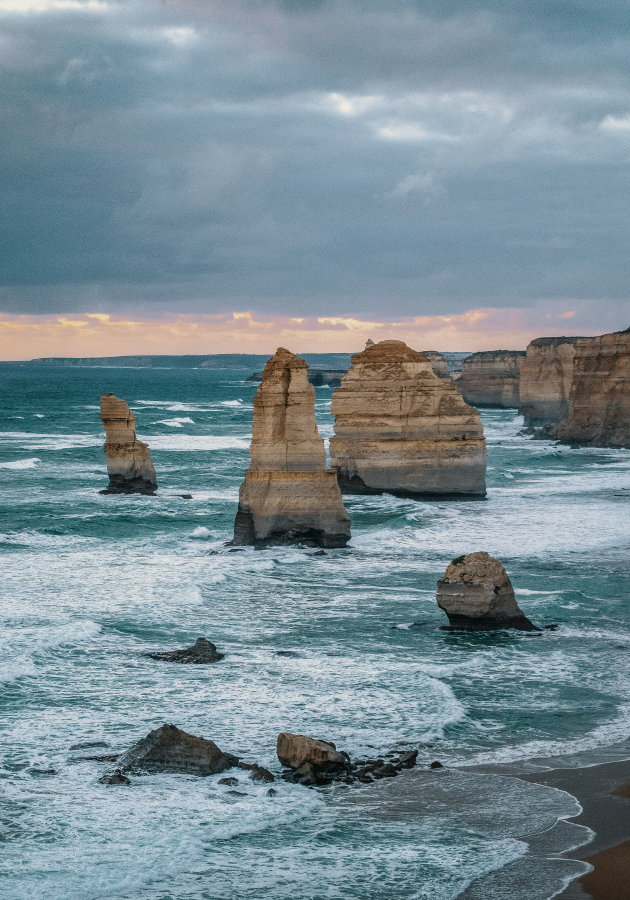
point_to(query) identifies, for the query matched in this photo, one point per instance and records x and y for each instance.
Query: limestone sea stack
(402, 430)
(129, 465)
(545, 382)
(476, 594)
(438, 362)
(491, 378)
(289, 495)
(599, 410)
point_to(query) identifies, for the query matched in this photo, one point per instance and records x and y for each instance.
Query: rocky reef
(491, 378)
(476, 594)
(202, 652)
(129, 465)
(546, 377)
(402, 430)
(599, 409)
(289, 495)
(169, 749)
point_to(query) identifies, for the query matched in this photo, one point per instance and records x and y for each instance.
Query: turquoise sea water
(90, 582)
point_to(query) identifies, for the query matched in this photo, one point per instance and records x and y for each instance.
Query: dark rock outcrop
(599, 410)
(129, 465)
(116, 777)
(402, 430)
(491, 378)
(203, 651)
(169, 749)
(289, 495)
(476, 594)
(546, 378)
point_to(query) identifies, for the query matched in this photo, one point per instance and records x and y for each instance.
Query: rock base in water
(169, 749)
(202, 652)
(129, 464)
(477, 595)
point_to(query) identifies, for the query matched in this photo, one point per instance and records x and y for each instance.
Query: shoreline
(603, 791)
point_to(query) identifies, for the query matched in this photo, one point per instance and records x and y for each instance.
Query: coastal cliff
(288, 494)
(129, 465)
(491, 378)
(545, 383)
(402, 430)
(599, 410)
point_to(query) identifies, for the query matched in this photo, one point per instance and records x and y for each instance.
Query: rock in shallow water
(476, 594)
(295, 750)
(202, 651)
(116, 778)
(169, 749)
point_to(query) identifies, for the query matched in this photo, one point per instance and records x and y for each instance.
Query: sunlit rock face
(476, 593)
(289, 495)
(492, 378)
(129, 465)
(438, 362)
(402, 430)
(545, 382)
(599, 410)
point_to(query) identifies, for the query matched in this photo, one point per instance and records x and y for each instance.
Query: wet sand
(604, 794)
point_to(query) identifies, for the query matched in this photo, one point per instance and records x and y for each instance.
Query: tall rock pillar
(545, 382)
(402, 430)
(129, 465)
(289, 495)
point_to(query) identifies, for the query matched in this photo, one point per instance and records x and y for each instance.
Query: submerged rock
(203, 651)
(259, 773)
(400, 429)
(492, 378)
(288, 494)
(169, 749)
(599, 411)
(116, 777)
(546, 379)
(476, 594)
(129, 465)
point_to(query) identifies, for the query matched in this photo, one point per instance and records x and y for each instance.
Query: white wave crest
(21, 463)
(201, 532)
(185, 443)
(175, 423)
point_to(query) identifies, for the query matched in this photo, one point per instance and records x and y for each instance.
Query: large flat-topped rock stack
(491, 378)
(402, 430)
(545, 383)
(599, 412)
(129, 465)
(288, 494)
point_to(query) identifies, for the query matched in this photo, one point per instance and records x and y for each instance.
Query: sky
(215, 175)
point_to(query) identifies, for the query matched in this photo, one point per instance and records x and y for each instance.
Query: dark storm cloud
(312, 157)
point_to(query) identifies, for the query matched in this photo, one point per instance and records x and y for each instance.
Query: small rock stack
(129, 465)
(476, 595)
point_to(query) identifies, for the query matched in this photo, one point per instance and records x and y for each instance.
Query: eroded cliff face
(438, 362)
(402, 430)
(599, 411)
(129, 465)
(546, 376)
(491, 378)
(289, 494)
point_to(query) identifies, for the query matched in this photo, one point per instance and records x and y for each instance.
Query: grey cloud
(313, 157)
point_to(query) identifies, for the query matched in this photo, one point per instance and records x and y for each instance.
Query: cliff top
(388, 351)
(490, 354)
(284, 359)
(554, 341)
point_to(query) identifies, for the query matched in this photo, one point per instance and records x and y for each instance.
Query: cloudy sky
(458, 167)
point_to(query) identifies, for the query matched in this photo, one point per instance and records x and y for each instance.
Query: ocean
(90, 583)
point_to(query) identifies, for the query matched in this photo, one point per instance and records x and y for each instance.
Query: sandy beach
(604, 794)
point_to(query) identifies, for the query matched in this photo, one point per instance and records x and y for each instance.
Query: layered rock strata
(546, 377)
(288, 494)
(491, 378)
(402, 430)
(476, 594)
(599, 409)
(169, 749)
(438, 362)
(129, 465)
